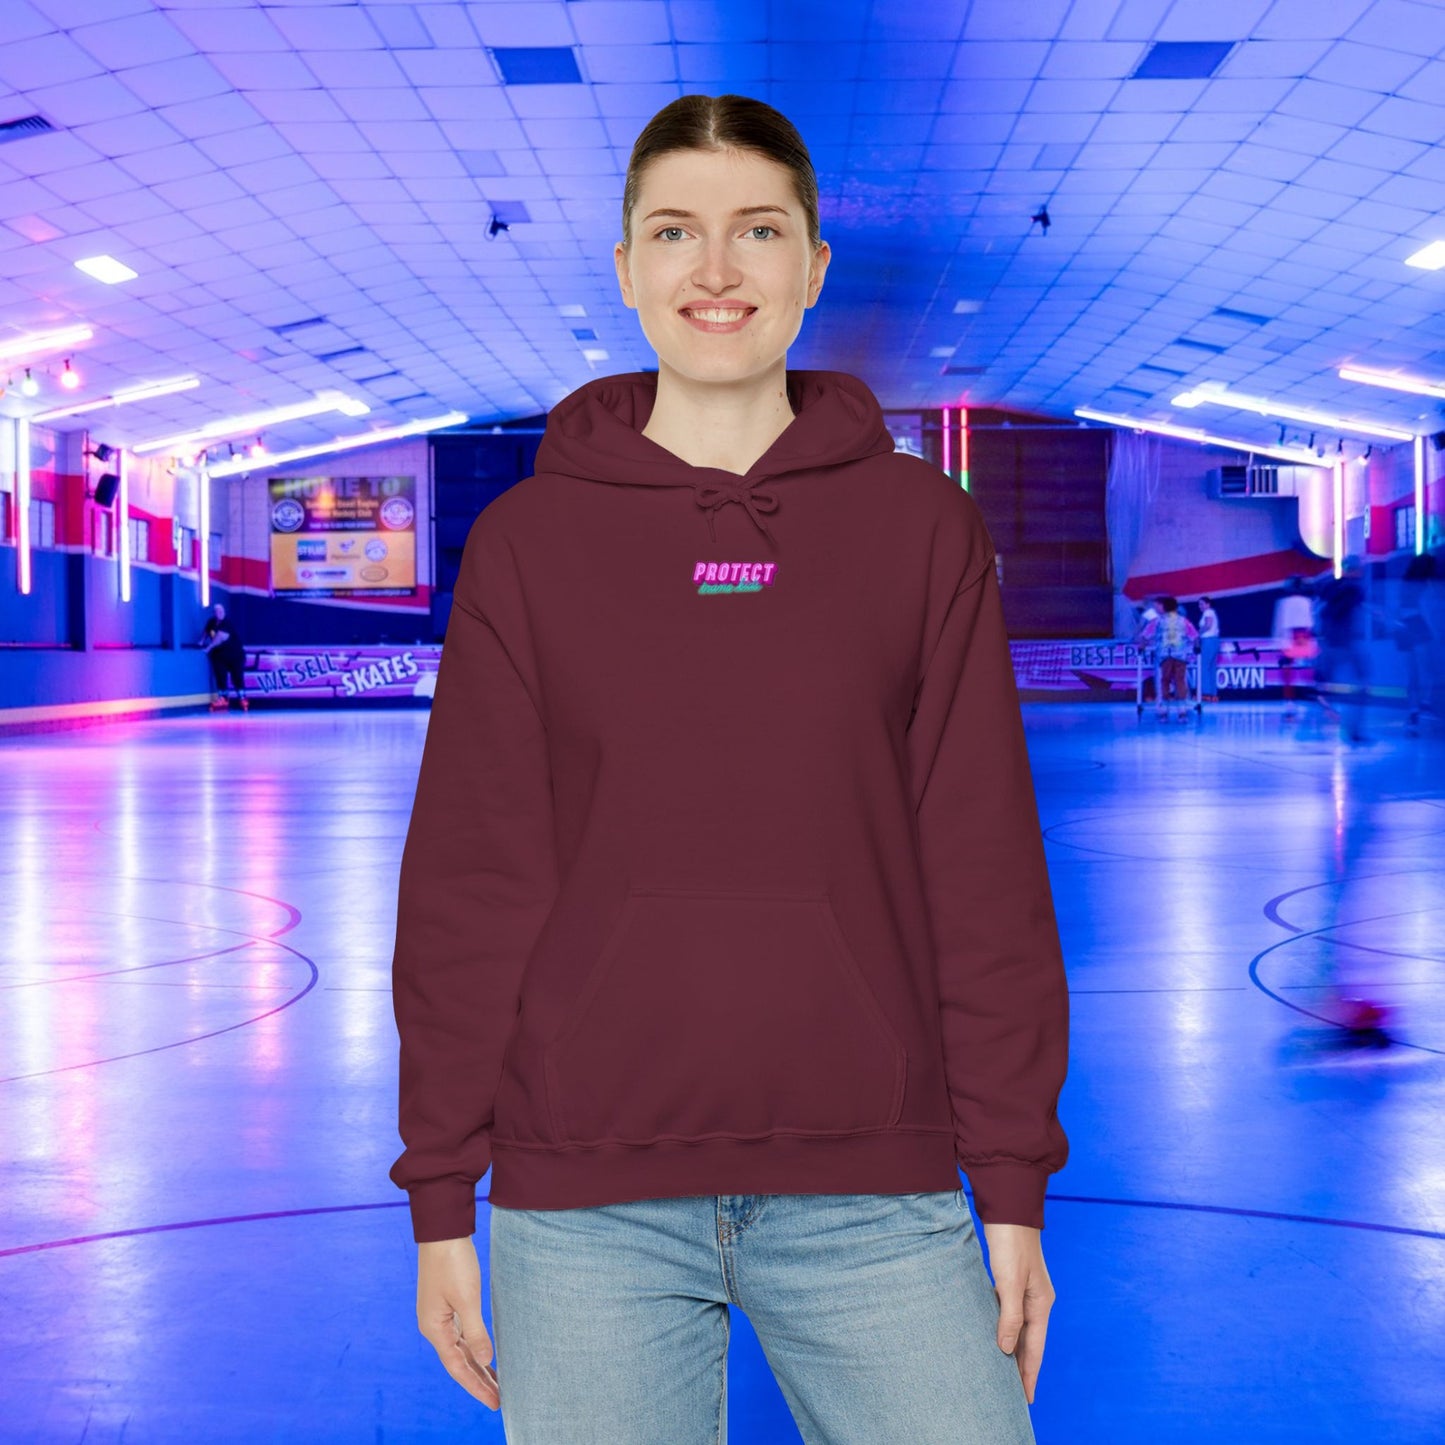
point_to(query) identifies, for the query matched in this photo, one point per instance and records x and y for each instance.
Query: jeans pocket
(712, 1013)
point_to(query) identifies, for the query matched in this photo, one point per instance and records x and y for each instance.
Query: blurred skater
(1416, 638)
(222, 644)
(1174, 637)
(1294, 635)
(1343, 667)
(1208, 651)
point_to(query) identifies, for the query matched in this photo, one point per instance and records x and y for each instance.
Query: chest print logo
(710, 577)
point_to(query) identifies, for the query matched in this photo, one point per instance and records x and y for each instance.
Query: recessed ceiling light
(107, 269)
(1428, 258)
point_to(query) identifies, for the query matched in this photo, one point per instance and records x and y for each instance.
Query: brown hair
(717, 123)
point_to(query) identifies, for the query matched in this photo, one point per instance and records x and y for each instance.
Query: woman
(724, 933)
(1208, 651)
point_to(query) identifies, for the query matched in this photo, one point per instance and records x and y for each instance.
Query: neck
(725, 425)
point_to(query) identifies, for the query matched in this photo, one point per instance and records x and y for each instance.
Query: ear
(624, 279)
(817, 270)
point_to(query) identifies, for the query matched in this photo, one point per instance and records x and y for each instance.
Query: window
(102, 531)
(140, 539)
(185, 548)
(213, 559)
(42, 522)
(1405, 528)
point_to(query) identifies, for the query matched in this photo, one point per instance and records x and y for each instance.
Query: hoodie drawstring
(754, 499)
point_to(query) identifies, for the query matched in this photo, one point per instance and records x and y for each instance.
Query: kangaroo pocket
(710, 1013)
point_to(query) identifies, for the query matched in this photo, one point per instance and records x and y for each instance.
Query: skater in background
(1208, 651)
(222, 644)
(1294, 635)
(1175, 637)
(1343, 667)
(1415, 638)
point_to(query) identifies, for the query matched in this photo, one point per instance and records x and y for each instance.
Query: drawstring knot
(753, 499)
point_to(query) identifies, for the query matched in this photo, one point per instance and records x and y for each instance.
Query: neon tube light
(963, 447)
(947, 448)
(1419, 496)
(123, 521)
(36, 341)
(1392, 381)
(120, 398)
(22, 502)
(203, 568)
(1263, 406)
(322, 402)
(341, 444)
(1191, 434)
(1339, 509)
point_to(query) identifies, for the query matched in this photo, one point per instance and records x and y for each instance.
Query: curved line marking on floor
(1301, 933)
(269, 1214)
(294, 917)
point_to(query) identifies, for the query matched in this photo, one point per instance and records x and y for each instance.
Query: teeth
(730, 313)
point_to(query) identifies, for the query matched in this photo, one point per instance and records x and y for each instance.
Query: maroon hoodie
(724, 873)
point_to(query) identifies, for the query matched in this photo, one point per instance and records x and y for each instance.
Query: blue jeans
(875, 1313)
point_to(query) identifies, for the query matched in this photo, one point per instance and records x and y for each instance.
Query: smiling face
(720, 268)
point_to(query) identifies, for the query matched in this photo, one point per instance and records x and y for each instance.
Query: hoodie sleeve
(477, 879)
(1003, 993)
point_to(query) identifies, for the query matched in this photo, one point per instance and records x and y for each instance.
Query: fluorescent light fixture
(1419, 496)
(35, 341)
(107, 269)
(1218, 395)
(120, 398)
(1337, 496)
(341, 444)
(1392, 381)
(1428, 258)
(323, 402)
(1191, 434)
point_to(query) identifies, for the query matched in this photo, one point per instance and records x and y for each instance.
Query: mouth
(717, 318)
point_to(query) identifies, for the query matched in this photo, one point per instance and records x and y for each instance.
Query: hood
(596, 434)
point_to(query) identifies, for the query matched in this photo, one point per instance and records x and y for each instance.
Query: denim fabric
(874, 1311)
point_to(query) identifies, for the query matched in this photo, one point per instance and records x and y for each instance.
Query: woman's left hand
(1025, 1296)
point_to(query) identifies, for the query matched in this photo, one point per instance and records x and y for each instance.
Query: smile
(717, 318)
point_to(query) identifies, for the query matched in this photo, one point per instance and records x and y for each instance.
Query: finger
(467, 1359)
(1030, 1354)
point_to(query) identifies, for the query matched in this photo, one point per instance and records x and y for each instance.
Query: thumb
(474, 1335)
(1011, 1316)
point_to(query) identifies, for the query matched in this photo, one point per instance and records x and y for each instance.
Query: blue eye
(669, 228)
(764, 228)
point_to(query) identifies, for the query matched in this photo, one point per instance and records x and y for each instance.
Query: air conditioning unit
(1266, 479)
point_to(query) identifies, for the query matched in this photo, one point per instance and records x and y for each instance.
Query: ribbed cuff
(442, 1209)
(1008, 1193)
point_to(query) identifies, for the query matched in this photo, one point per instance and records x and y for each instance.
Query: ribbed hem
(442, 1209)
(1008, 1193)
(896, 1161)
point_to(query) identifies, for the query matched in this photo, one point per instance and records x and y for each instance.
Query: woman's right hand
(449, 1315)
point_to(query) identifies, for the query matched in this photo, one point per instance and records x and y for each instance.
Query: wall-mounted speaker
(1438, 440)
(105, 489)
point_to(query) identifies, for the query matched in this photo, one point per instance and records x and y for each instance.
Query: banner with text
(343, 536)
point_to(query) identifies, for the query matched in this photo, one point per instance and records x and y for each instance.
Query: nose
(717, 268)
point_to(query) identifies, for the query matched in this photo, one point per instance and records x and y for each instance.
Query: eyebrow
(741, 211)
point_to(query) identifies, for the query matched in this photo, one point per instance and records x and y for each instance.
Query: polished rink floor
(199, 1243)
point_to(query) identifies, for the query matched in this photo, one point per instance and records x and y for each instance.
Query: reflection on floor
(199, 1242)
